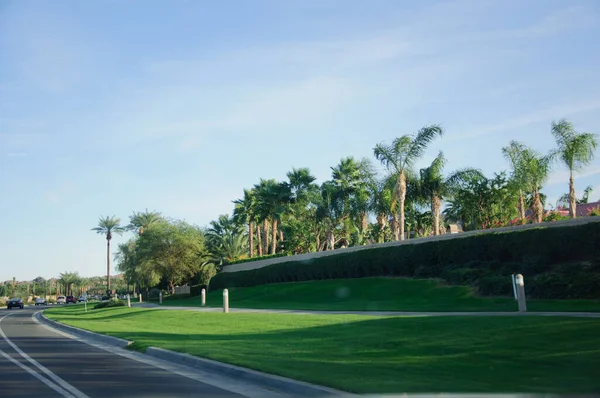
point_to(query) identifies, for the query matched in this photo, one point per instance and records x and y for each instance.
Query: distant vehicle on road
(82, 298)
(61, 300)
(71, 299)
(40, 301)
(15, 302)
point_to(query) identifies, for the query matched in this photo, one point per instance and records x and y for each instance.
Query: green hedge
(556, 263)
(265, 257)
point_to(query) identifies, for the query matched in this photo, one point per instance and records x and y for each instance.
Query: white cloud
(562, 177)
(542, 115)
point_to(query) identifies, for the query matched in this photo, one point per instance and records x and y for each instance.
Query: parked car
(71, 299)
(61, 300)
(82, 298)
(15, 302)
(40, 301)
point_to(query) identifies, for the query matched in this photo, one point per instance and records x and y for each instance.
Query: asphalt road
(36, 361)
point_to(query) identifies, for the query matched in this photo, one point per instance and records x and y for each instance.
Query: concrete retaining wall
(309, 256)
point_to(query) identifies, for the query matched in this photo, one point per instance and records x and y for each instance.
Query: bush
(265, 257)
(484, 261)
(109, 304)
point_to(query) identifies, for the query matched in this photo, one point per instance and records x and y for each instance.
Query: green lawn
(374, 354)
(375, 294)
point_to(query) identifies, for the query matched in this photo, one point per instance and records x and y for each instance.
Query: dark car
(14, 302)
(71, 299)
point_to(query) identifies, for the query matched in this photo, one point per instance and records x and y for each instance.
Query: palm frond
(420, 142)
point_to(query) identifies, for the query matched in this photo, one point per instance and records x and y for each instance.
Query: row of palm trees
(285, 216)
(357, 206)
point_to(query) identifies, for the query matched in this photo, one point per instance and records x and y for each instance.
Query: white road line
(41, 378)
(74, 391)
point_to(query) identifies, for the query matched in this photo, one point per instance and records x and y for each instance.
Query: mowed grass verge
(375, 294)
(366, 354)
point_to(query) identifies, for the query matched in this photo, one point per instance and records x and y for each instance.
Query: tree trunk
(172, 287)
(330, 239)
(259, 240)
(265, 235)
(395, 226)
(435, 213)
(521, 205)
(537, 207)
(402, 192)
(274, 236)
(251, 238)
(108, 266)
(280, 241)
(381, 222)
(572, 198)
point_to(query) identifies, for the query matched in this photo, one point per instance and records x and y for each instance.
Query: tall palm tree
(353, 179)
(575, 150)
(272, 198)
(139, 221)
(244, 212)
(435, 187)
(513, 153)
(400, 157)
(533, 171)
(107, 226)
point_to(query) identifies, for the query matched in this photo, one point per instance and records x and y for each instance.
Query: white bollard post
(128, 301)
(140, 297)
(521, 293)
(225, 300)
(160, 297)
(203, 294)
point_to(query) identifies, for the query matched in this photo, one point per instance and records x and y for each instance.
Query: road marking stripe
(47, 382)
(74, 391)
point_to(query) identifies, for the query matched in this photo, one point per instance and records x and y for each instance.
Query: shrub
(555, 216)
(485, 261)
(594, 211)
(109, 304)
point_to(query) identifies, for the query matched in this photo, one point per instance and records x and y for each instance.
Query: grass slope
(374, 354)
(375, 294)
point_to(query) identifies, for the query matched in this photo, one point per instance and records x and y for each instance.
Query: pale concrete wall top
(308, 256)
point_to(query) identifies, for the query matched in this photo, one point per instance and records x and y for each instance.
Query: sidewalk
(367, 313)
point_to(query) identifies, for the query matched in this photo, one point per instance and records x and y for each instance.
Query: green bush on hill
(556, 263)
(109, 304)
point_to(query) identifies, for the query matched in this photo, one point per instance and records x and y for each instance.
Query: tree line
(355, 207)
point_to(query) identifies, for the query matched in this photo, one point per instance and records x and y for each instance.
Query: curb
(280, 383)
(283, 384)
(114, 341)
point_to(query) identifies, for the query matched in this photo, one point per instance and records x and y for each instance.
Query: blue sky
(107, 107)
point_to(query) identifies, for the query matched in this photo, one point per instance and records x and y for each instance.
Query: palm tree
(226, 240)
(107, 226)
(143, 220)
(512, 153)
(576, 150)
(272, 198)
(533, 170)
(68, 279)
(400, 157)
(353, 180)
(244, 212)
(434, 187)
